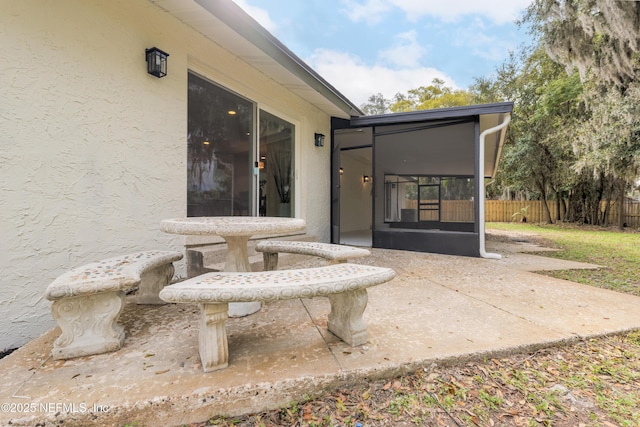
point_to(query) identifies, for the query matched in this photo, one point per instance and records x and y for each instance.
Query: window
(224, 177)
(428, 199)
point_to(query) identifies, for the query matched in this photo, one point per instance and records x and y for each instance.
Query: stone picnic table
(236, 231)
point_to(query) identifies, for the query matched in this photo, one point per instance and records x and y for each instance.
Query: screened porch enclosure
(425, 177)
(426, 198)
(428, 176)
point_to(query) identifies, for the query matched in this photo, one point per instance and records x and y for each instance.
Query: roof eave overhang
(433, 115)
(261, 50)
(488, 115)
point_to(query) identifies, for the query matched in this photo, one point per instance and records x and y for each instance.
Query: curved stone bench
(328, 251)
(344, 284)
(88, 300)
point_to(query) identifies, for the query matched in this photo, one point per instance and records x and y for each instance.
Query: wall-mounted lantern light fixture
(341, 171)
(156, 62)
(366, 178)
(319, 139)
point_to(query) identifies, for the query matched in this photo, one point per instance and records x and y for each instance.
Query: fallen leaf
(307, 415)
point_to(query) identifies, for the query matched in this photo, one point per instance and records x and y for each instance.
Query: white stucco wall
(93, 149)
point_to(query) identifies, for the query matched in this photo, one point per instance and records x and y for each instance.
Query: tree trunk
(597, 218)
(564, 209)
(547, 211)
(570, 213)
(559, 206)
(621, 216)
(543, 193)
(605, 214)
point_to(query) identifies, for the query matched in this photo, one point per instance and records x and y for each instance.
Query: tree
(486, 90)
(608, 144)
(537, 154)
(601, 38)
(377, 104)
(436, 95)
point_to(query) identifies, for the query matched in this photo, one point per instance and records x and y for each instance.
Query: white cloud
(369, 11)
(405, 52)
(498, 11)
(482, 42)
(358, 81)
(259, 14)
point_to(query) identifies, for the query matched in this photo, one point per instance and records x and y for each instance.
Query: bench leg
(270, 261)
(195, 263)
(152, 282)
(345, 319)
(88, 325)
(214, 349)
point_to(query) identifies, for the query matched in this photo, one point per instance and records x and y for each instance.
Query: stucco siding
(93, 149)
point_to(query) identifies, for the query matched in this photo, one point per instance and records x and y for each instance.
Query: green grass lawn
(617, 252)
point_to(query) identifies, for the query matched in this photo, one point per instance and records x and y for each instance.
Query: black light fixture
(319, 139)
(156, 62)
(366, 178)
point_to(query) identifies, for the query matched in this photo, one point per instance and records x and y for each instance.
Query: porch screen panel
(457, 195)
(404, 156)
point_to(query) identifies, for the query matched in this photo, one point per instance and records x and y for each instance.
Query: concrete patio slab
(439, 309)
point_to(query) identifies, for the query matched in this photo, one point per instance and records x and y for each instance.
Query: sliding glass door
(229, 170)
(276, 166)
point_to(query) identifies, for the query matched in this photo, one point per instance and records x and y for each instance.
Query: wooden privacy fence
(632, 213)
(504, 210)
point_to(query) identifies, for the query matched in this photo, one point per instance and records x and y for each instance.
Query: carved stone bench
(88, 300)
(344, 284)
(331, 252)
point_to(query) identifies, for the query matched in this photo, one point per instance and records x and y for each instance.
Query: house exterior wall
(93, 149)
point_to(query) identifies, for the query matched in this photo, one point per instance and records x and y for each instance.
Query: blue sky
(364, 47)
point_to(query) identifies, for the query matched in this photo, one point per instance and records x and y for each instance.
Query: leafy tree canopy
(435, 95)
(377, 104)
(599, 36)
